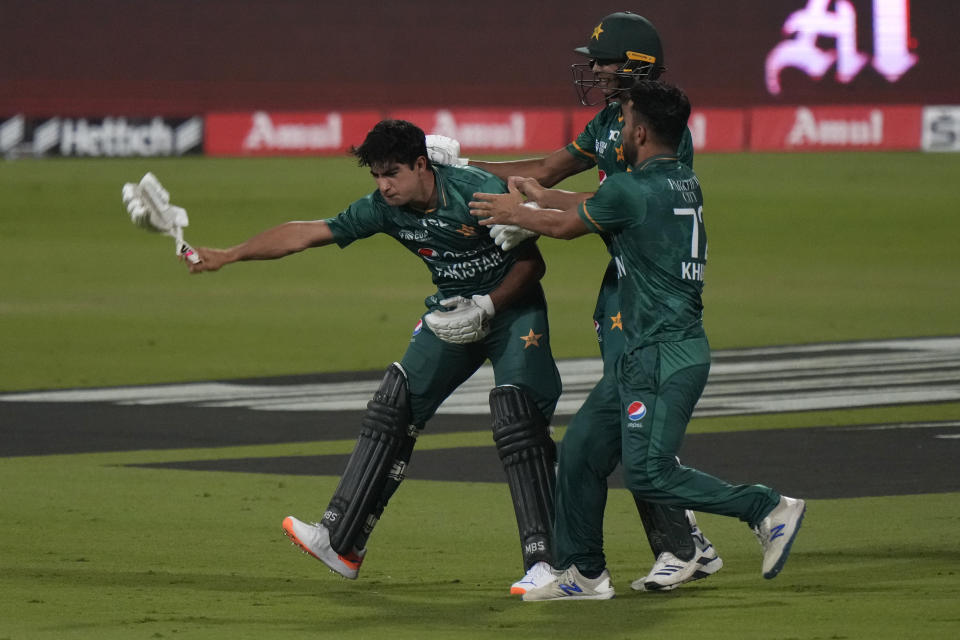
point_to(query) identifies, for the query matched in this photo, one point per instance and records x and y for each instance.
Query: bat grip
(183, 247)
(188, 252)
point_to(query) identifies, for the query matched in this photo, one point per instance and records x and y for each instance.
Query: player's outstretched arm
(509, 208)
(548, 170)
(547, 198)
(276, 242)
(508, 236)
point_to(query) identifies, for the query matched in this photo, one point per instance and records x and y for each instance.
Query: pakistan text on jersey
(471, 268)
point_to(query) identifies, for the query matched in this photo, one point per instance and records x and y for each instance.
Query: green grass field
(803, 248)
(94, 550)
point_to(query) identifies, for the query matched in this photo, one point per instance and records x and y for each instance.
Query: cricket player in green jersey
(653, 216)
(488, 305)
(621, 48)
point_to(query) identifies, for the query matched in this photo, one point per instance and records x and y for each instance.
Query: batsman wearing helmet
(623, 48)
(488, 305)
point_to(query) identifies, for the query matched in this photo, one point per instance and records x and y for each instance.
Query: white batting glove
(508, 236)
(468, 319)
(445, 150)
(135, 207)
(148, 204)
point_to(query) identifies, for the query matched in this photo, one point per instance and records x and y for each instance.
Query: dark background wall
(180, 57)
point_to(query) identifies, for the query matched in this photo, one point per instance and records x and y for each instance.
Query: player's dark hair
(392, 141)
(663, 108)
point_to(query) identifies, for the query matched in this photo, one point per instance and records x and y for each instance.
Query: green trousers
(518, 347)
(637, 415)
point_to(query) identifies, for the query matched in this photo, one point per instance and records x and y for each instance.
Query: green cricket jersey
(462, 257)
(599, 143)
(653, 217)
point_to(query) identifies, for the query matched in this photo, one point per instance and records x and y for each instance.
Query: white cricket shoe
(777, 532)
(572, 585)
(538, 575)
(315, 540)
(669, 571)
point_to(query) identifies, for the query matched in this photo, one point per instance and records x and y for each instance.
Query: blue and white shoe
(777, 532)
(669, 572)
(573, 585)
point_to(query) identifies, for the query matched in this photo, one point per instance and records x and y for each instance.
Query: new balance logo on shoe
(573, 585)
(776, 534)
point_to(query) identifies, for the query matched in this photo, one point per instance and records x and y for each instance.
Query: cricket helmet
(627, 39)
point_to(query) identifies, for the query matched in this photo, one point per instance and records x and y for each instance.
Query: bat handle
(188, 252)
(183, 247)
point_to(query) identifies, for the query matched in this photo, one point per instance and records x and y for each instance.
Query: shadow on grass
(165, 601)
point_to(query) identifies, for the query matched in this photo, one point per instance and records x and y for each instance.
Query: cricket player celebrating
(622, 48)
(653, 218)
(488, 305)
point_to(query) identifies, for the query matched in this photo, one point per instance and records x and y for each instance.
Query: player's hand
(466, 320)
(497, 208)
(445, 150)
(529, 187)
(508, 236)
(210, 260)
